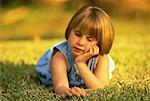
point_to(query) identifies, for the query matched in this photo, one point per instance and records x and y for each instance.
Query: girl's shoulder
(61, 44)
(62, 47)
(46, 57)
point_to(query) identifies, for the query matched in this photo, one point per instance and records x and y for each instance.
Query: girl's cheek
(87, 47)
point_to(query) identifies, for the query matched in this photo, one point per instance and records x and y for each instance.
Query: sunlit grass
(131, 80)
(24, 51)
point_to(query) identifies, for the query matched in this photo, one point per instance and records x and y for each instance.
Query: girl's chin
(77, 54)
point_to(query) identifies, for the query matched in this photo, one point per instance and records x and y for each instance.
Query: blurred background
(46, 19)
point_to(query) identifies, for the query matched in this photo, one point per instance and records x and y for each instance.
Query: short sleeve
(43, 69)
(111, 66)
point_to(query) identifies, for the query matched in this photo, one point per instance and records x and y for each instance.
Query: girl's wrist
(79, 61)
(80, 64)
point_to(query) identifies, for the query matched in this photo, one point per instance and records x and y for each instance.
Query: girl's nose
(82, 40)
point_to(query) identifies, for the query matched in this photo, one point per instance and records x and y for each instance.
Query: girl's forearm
(90, 80)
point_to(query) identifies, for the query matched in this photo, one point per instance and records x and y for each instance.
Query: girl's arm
(60, 79)
(59, 73)
(100, 77)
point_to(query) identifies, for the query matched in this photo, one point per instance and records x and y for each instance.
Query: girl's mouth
(78, 49)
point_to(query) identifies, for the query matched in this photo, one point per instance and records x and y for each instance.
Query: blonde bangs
(89, 26)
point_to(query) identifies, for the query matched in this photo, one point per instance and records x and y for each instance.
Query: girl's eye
(77, 34)
(90, 39)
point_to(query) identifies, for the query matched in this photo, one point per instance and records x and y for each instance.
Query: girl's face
(80, 43)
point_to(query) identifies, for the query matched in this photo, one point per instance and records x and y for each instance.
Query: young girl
(82, 59)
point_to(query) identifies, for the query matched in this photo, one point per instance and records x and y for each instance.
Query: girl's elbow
(107, 83)
(101, 85)
(97, 87)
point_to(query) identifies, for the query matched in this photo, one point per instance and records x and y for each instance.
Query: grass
(130, 82)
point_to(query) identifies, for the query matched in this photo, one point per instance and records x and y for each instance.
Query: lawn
(130, 82)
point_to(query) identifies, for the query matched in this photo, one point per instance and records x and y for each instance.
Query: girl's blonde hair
(93, 21)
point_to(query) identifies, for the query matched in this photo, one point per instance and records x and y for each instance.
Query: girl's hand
(93, 50)
(76, 91)
(66, 92)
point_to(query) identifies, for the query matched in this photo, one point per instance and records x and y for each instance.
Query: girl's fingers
(81, 92)
(96, 49)
(84, 92)
(68, 93)
(75, 93)
(93, 49)
(88, 54)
